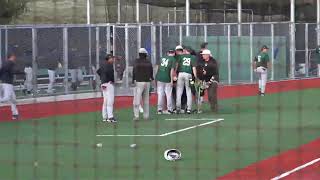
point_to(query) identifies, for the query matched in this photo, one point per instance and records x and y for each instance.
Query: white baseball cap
(206, 52)
(143, 51)
(179, 47)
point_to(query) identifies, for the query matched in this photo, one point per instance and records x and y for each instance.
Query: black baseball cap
(109, 56)
(204, 45)
(171, 51)
(264, 47)
(188, 48)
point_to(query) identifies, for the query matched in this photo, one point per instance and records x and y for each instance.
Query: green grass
(254, 129)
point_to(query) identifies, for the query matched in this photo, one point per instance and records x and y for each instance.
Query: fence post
(65, 59)
(114, 36)
(108, 39)
(34, 61)
(127, 54)
(97, 53)
(0, 47)
(229, 54)
(168, 24)
(139, 38)
(251, 52)
(292, 50)
(90, 52)
(160, 38)
(153, 44)
(180, 34)
(205, 33)
(306, 36)
(272, 51)
(6, 42)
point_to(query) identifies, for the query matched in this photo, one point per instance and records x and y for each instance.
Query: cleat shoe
(140, 109)
(188, 111)
(112, 120)
(135, 119)
(160, 112)
(15, 117)
(167, 112)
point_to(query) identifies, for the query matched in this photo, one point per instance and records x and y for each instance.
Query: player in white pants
(6, 85)
(106, 73)
(164, 77)
(28, 81)
(164, 90)
(186, 66)
(108, 101)
(261, 64)
(52, 79)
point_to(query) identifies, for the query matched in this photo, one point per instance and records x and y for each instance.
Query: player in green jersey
(261, 64)
(164, 77)
(186, 66)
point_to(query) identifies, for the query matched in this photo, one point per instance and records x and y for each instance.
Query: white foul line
(161, 135)
(296, 169)
(126, 135)
(192, 119)
(192, 127)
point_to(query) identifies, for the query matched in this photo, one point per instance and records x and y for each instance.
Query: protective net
(169, 11)
(60, 133)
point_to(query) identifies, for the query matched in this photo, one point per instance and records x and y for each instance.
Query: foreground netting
(251, 137)
(62, 136)
(56, 51)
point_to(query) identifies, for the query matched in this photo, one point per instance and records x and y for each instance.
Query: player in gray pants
(28, 86)
(142, 76)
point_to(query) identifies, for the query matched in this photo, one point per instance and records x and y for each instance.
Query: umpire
(210, 74)
(142, 76)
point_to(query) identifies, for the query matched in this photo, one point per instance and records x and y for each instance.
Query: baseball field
(252, 137)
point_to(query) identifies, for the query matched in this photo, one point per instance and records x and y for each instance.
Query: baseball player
(261, 64)
(28, 81)
(51, 62)
(28, 86)
(164, 77)
(317, 60)
(186, 66)
(7, 72)
(142, 76)
(210, 75)
(75, 64)
(106, 73)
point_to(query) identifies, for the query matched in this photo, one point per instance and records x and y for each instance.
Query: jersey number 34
(164, 62)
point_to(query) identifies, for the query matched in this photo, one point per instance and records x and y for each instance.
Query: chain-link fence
(64, 137)
(64, 58)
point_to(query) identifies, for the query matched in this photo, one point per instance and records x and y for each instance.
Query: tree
(10, 9)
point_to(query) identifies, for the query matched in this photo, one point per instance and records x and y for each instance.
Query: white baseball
(133, 145)
(99, 145)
